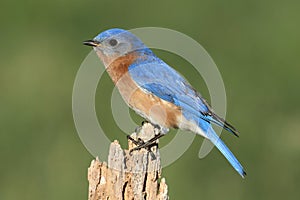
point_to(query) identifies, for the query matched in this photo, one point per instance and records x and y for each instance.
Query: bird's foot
(137, 142)
(147, 145)
(139, 145)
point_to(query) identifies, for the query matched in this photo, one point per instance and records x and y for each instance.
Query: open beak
(91, 43)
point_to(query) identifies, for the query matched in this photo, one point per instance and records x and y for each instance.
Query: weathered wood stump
(129, 176)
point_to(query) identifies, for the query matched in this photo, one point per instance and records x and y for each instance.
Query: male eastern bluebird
(156, 91)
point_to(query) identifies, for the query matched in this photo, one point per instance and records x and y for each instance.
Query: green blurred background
(255, 44)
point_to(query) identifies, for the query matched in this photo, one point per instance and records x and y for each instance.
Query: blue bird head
(115, 43)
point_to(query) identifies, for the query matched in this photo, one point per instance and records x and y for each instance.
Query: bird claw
(141, 144)
(159, 132)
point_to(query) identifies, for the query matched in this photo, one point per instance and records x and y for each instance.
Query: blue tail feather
(214, 138)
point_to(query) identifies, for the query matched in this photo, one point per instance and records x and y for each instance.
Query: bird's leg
(137, 142)
(150, 143)
(140, 142)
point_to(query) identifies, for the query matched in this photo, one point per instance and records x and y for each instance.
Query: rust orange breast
(146, 104)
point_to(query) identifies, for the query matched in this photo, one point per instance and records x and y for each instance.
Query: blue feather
(214, 138)
(156, 77)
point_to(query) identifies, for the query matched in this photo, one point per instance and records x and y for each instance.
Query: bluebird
(156, 91)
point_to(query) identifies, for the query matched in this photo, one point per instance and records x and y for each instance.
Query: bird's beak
(92, 43)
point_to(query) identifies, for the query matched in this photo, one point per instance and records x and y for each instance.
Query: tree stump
(129, 176)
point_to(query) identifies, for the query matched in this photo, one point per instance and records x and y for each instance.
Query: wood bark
(129, 176)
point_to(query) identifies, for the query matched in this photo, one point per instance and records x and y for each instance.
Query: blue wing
(163, 81)
(158, 78)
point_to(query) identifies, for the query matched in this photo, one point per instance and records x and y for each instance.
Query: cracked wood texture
(135, 176)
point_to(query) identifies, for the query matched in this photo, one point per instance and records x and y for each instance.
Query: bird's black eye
(113, 42)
